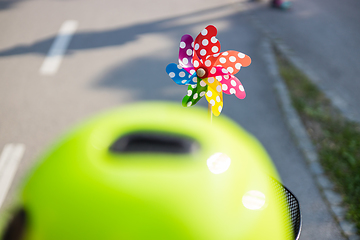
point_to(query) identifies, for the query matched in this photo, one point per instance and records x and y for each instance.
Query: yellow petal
(213, 96)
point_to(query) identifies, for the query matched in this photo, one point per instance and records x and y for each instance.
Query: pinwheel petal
(208, 65)
(233, 61)
(218, 71)
(197, 62)
(206, 42)
(232, 85)
(213, 58)
(214, 95)
(195, 93)
(179, 75)
(207, 71)
(186, 52)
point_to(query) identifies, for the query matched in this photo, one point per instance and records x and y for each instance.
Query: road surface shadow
(6, 4)
(113, 37)
(151, 82)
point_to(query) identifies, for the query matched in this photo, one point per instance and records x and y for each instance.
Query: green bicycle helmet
(155, 171)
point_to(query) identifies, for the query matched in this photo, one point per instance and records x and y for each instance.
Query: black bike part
(290, 205)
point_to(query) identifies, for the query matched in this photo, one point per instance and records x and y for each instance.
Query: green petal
(195, 93)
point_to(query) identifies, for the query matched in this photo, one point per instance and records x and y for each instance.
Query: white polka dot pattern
(213, 96)
(186, 53)
(207, 42)
(179, 75)
(231, 61)
(216, 75)
(194, 94)
(233, 86)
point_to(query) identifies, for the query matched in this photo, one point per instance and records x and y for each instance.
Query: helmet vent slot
(154, 142)
(16, 228)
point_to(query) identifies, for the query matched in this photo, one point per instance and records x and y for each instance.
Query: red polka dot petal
(213, 58)
(199, 63)
(206, 42)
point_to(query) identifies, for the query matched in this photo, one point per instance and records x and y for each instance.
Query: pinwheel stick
(210, 111)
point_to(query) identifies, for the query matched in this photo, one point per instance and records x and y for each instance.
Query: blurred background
(64, 61)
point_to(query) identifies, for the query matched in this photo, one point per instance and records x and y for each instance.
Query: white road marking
(9, 162)
(55, 55)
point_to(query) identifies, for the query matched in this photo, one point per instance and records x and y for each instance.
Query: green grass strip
(336, 139)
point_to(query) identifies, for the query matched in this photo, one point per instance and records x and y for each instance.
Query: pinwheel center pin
(200, 72)
(206, 71)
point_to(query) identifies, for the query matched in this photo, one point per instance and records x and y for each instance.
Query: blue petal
(194, 79)
(179, 75)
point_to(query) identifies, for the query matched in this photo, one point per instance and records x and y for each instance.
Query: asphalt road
(117, 55)
(325, 35)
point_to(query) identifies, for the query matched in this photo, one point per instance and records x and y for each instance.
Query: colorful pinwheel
(207, 71)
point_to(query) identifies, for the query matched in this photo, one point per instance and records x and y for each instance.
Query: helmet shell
(84, 190)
